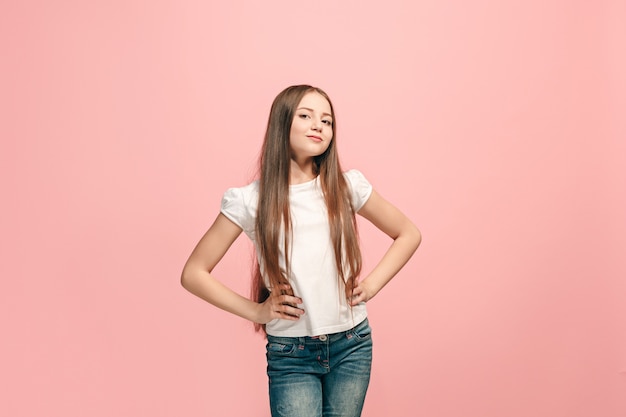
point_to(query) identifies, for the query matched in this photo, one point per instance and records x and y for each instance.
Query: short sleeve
(360, 187)
(239, 206)
(232, 206)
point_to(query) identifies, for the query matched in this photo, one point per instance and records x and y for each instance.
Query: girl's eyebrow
(313, 111)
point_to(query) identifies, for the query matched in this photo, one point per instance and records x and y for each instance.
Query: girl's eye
(304, 116)
(328, 122)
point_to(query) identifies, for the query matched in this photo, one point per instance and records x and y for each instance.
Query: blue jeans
(325, 375)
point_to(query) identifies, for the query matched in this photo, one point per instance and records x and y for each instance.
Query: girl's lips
(315, 138)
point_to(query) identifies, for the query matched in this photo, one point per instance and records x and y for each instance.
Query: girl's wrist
(257, 313)
(370, 288)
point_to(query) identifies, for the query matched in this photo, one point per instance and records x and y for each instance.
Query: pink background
(498, 127)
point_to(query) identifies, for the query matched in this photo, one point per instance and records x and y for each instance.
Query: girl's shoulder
(239, 204)
(353, 175)
(356, 179)
(360, 187)
(242, 196)
(251, 189)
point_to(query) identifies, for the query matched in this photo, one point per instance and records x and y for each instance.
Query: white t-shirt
(313, 270)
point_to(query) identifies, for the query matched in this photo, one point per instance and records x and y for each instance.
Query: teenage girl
(307, 295)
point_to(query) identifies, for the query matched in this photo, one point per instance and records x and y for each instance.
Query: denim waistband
(322, 338)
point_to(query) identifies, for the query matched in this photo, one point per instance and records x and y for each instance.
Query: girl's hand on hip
(361, 294)
(280, 306)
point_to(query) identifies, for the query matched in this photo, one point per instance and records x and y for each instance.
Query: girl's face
(312, 127)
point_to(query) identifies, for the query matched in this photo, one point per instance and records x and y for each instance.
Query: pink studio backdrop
(498, 127)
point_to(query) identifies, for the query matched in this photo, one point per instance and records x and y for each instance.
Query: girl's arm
(406, 239)
(197, 279)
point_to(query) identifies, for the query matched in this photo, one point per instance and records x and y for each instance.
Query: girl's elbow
(416, 237)
(186, 278)
(410, 236)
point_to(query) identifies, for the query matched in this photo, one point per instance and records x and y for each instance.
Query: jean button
(323, 338)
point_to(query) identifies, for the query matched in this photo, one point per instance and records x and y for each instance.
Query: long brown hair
(273, 219)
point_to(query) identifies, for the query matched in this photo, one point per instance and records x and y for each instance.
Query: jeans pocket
(280, 349)
(362, 331)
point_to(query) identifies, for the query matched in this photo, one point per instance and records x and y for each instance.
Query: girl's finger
(288, 310)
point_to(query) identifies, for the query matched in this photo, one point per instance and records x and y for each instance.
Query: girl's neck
(301, 172)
